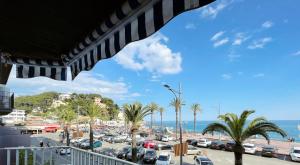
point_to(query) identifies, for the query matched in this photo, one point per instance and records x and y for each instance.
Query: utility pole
(77, 120)
(180, 120)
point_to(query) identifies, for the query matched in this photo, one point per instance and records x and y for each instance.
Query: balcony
(53, 156)
(6, 100)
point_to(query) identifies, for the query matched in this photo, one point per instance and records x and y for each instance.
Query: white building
(63, 97)
(14, 117)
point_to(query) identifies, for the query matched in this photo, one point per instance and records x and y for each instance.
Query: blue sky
(239, 53)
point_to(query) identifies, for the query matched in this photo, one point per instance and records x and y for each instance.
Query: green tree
(152, 107)
(134, 114)
(236, 128)
(161, 110)
(195, 108)
(66, 115)
(93, 112)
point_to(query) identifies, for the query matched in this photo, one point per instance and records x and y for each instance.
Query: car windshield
(202, 141)
(268, 149)
(297, 151)
(150, 153)
(206, 163)
(126, 149)
(248, 146)
(163, 158)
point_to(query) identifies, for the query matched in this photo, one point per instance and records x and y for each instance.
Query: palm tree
(195, 108)
(66, 115)
(161, 110)
(134, 114)
(93, 111)
(176, 103)
(236, 128)
(152, 107)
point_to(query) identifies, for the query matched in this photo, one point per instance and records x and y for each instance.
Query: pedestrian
(41, 143)
(48, 144)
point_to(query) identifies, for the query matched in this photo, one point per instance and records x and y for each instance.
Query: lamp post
(177, 95)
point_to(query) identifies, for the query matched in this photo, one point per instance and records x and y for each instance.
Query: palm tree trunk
(238, 154)
(133, 146)
(195, 122)
(91, 137)
(161, 120)
(68, 135)
(151, 121)
(176, 124)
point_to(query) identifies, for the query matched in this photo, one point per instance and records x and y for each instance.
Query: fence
(57, 156)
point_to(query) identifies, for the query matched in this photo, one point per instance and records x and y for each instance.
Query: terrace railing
(52, 156)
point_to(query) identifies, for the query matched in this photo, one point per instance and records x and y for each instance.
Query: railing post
(43, 156)
(72, 156)
(17, 156)
(89, 158)
(8, 157)
(26, 157)
(34, 156)
(51, 156)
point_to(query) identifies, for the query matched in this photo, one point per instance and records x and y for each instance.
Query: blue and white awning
(133, 21)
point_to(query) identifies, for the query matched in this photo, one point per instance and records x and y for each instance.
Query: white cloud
(217, 35)
(85, 82)
(190, 26)
(267, 24)
(259, 43)
(258, 75)
(221, 42)
(239, 39)
(226, 76)
(151, 54)
(296, 53)
(211, 11)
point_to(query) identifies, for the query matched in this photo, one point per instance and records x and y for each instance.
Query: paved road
(227, 158)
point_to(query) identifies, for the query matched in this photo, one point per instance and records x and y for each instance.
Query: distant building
(121, 116)
(57, 103)
(14, 117)
(63, 97)
(97, 100)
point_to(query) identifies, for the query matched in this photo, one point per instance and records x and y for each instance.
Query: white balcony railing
(52, 156)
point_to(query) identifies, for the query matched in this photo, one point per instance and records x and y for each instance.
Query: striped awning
(133, 21)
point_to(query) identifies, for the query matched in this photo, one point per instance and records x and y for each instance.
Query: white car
(193, 150)
(202, 160)
(98, 135)
(65, 151)
(164, 159)
(167, 138)
(203, 143)
(295, 154)
(250, 148)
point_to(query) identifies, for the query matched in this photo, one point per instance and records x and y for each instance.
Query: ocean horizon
(290, 126)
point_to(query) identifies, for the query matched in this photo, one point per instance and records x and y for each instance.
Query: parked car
(108, 152)
(202, 160)
(203, 143)
(167, 138)
(164, 147)
(250, 148)
(229, 145)
(98, 135)
(269, 151)
(122, 154)
(164, 159)
(149, 144)
(193, 150)
(65, 151)
(80, 141)
(218, 145)
(140, 154)
(86, 145)
(150, 156)
(295, 154)
(107, 138)
(117, 139)
(192, 142)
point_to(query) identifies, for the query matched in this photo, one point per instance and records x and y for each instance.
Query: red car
(149, 144)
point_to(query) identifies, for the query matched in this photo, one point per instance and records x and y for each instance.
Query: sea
(289, 126)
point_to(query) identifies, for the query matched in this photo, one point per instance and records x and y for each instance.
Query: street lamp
(177, 95)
